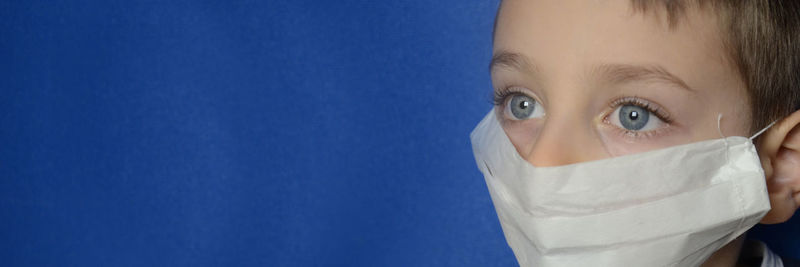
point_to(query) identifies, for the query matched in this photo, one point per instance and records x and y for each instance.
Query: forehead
(562, 35)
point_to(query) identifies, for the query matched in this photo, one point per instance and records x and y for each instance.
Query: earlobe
(779, 151)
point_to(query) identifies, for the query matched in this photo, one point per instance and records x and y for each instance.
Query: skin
(578, 59)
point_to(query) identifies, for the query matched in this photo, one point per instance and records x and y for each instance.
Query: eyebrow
(511, 60)
(615, 73)
(625, 73)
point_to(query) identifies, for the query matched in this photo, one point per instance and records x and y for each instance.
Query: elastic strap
(763, 130)
(719, 125)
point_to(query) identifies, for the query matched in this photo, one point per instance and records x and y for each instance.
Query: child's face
(585, 80)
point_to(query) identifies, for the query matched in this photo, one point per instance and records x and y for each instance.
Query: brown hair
(763, 40)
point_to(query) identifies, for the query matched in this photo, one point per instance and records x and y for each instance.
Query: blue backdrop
(280, 133)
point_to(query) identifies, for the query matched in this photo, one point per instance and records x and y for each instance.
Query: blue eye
(522, 107)
(633, 117)
(637, 116)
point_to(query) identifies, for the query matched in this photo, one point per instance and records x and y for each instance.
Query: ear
(779, 151)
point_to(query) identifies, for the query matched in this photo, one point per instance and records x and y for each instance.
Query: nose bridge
(566, 138)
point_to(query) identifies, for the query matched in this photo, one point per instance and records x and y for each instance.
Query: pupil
(634, 115)
(523, 104)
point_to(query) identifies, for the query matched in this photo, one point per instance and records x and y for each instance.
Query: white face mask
(669, 207)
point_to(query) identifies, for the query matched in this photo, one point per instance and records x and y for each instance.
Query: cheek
(618, 142)
(734, 106)
(617, 145)
(522, 135)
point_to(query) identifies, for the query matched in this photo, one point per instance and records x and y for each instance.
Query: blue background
(280, 133)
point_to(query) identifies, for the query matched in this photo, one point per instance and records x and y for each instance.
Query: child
(579, 81)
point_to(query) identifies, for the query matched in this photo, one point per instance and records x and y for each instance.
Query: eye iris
(522, 106)
(633, 117)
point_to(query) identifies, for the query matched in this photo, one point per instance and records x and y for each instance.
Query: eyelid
(650, 106)
(503, 94)
(636, 136)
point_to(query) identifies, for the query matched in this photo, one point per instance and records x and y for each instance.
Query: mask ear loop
(762, 130)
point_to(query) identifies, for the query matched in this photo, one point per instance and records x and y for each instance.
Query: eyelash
(636, 101)
(653, 109)
(501, 95)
